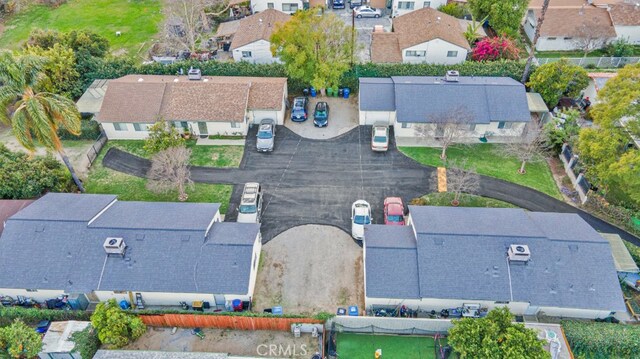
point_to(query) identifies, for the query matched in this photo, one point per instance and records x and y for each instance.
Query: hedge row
(114, 68)
(34, 315)
(602, 340)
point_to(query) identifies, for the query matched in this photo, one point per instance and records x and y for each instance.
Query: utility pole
(536, 35)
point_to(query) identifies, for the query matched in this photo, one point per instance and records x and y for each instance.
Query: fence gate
(95, 149)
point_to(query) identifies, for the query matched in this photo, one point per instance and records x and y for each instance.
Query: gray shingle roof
(66, 207)
(176, 257)
(153, 215)
(422, 99)
(461, 254)
(377, 94)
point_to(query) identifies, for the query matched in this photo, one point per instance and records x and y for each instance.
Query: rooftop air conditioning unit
(113, 245)
(519, 253)
(452, 76)
(194, 74)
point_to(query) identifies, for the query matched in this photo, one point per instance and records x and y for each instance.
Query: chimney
(452, 76)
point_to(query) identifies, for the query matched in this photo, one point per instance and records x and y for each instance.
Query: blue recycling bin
(346, 92)
(313, 92)
(353, 310)
(277, 310)
(124, 304)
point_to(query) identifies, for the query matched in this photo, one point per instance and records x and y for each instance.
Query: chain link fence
(95, 149)
(595, 62)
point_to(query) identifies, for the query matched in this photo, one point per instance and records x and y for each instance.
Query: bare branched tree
(447, 128)
(461, 178)
(170, 171)
(531, 149)
(187, 23)
(589, 36)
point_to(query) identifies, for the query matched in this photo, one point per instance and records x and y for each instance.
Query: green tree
(454, 9)
(20, 340)
(86, 342)
(619, 100)
(162, 135)
(505, 16)
(115, 327)
(557, 79)
(560, 130)
(495, 336)
(314, 49)
(33, 115)
(619, 48)
(60, 69)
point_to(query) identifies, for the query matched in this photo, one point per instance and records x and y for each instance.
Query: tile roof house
(206, 106)
(565, 28)
(449, 256)
(493, 104)
(172, 251)
(251, 40)
(421, 36)
(402, 7)
(626, 20)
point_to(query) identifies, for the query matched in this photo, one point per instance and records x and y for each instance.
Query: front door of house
(202, 128)
(220, 301)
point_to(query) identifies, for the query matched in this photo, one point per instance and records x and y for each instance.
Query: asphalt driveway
(310, 181)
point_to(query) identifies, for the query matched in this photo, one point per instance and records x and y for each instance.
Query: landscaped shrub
(602, 340)
(495, 48)
(89, 130)
(35, 315)
(22, 177)
(86, 342)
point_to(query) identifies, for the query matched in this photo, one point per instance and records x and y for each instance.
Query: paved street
(310, 181)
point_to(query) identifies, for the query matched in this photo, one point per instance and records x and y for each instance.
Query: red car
(393, 211)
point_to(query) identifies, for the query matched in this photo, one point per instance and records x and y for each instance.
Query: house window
(406, 5)
(406, 125)
(246, 54)
(140, 126)
(289, 7)
(119, 292)
(531, 24)
(120, 126)
(568, 38)
(235, 124)
(270, 5)
(551, 38)
(32, 290)
(504, 125)
(452, 53)
(427, 4)
(413, 53)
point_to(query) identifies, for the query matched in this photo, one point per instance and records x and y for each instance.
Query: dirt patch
(560, 177)
(308, 269)
(234, 342)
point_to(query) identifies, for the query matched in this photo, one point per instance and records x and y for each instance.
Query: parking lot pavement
(364, 28)
(343, 117)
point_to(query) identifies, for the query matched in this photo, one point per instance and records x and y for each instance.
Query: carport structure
(308, 181)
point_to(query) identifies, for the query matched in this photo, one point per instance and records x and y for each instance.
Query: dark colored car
(338, 4)
(299, 112)
(355, 3)
(321, 114)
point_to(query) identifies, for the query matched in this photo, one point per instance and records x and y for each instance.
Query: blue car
(338, 4)
(299, 111)
(321, 115)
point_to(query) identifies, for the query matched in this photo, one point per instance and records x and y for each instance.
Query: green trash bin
(335, 92)
(329, 92)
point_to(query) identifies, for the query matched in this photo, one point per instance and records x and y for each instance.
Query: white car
(380, 138)
(250, 209)
(360, 216)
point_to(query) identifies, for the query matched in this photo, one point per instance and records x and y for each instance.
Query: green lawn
(131, 188)
(209, 156)
(466, 200)
(137, 20)
(487, 161)
(363, 346)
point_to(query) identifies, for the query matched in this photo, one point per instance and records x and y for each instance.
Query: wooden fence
(223, 321)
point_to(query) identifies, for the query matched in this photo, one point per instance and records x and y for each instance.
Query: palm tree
(35, 116)
(534, 41)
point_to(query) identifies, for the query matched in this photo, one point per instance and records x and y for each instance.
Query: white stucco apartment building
(102, 248)
(204, 106)
(286, 6)
(422, 36)
(402, 7)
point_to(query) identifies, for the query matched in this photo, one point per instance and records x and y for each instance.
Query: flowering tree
(495, 48)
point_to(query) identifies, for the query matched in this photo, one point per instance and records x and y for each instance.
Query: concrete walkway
(314, 182)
